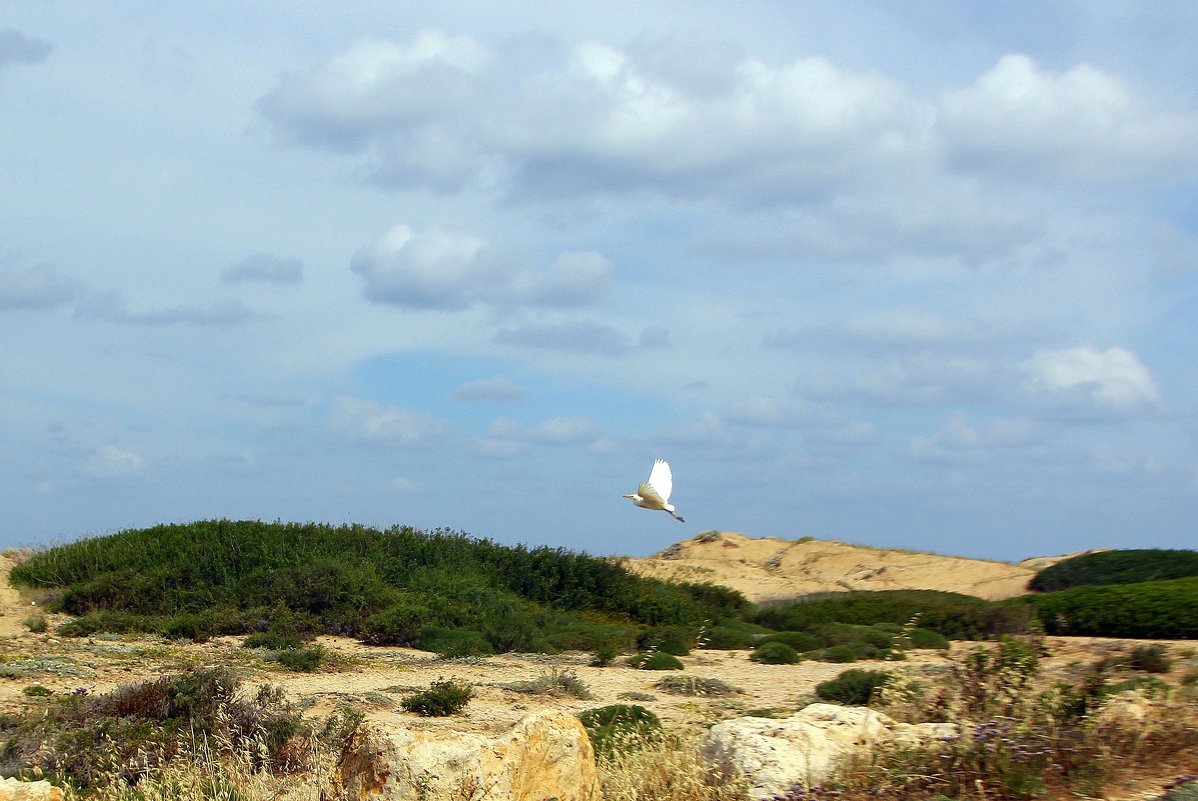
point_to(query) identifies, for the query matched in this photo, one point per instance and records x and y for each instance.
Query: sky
(915, 275)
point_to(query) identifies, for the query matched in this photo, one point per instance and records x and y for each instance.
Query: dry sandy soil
(373, 680)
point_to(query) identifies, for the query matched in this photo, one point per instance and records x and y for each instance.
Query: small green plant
(801, 641)
(853, 687)
(834, 653)
(1150, 659)
(35, 623)
(273, 640)
(696, 685)
(444, 697)
(300, 660)
(619, 727)
(37, 691)
(605, 654)
(554, 682)
(655, 660)
(775, 653)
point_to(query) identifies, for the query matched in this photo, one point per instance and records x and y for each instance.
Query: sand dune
(768, 569)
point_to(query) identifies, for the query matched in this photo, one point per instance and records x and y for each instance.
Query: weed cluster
(552, 682)
(444, 697)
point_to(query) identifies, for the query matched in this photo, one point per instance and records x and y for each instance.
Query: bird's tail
(677, 517)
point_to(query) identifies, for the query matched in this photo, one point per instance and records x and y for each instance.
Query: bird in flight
(655, 493)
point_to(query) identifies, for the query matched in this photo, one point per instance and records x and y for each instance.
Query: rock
(546, 755)
(14, 790)
(774, 755)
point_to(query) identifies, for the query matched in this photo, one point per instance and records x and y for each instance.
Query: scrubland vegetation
(198, 734)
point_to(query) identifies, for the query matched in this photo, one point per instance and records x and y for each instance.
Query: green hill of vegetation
(457, 595)
(398, 586)
(1116, 567)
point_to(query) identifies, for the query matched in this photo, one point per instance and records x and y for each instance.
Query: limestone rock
(804, 749)
(546, 755)
(14, 790)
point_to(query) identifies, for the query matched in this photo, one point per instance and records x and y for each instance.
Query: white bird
(655, 493)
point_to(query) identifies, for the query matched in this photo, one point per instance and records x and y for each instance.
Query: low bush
(655, 660)
(836, 653)
(110, 621)
(453, 643)
(727, 638)
(605, 654)
(299, 660)
(853, 687)
(36, 624)
(666, 639)
(273, 640)
(1150, 659)
(1165, 610)
(619, 727)
(696, 685)
(775, 653)
(553, 682)
(444, 697)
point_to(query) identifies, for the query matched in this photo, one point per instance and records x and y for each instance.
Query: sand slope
(768, 568)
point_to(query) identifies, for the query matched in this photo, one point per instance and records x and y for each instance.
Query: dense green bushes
(953, 615)
(395, 587)
(1151, 610)
(853, 687)
(1116, 567)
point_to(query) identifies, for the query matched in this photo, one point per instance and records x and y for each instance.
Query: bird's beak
(629, 496)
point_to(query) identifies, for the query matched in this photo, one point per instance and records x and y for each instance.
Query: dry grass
(663, 769)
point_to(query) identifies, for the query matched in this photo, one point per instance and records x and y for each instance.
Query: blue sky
(919, 275)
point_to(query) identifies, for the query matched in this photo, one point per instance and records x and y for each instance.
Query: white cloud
(1082, 123)
(1084, 380)
(452, 270)
(265, 267)
(920, 380)
(404, 485)
(109, 461)
(488, 389)
(896, 329)
(774, 413)
(366, 422)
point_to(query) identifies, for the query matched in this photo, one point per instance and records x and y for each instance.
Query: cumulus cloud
(265, 267)
(431, 113)
(579, 336)
(17, 48)
(366, 422)
(451, 270)
(1082, 123)
(496, 388)
(1084, 381)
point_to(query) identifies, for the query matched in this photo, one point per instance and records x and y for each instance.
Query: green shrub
(442, 698)
(727, 638)
(36, 624)
(695, 685)
(273, 641)
(37, 691)
(111, 621)
(188, 626)
(299, 660)
(1131, 566)
(655, 660)
(926, 638)
(1164, 610)
(619, 727)
(835, 653)
(671, 640)
(1150, 659)
(775, 653)
(453, 643)
(954, 615)
(605, 654)
(801, 641)
(554, 682)
(852, 687)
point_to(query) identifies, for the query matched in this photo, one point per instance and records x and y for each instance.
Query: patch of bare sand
(766, 568)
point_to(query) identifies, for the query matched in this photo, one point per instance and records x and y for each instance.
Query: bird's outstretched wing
(661, 481)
